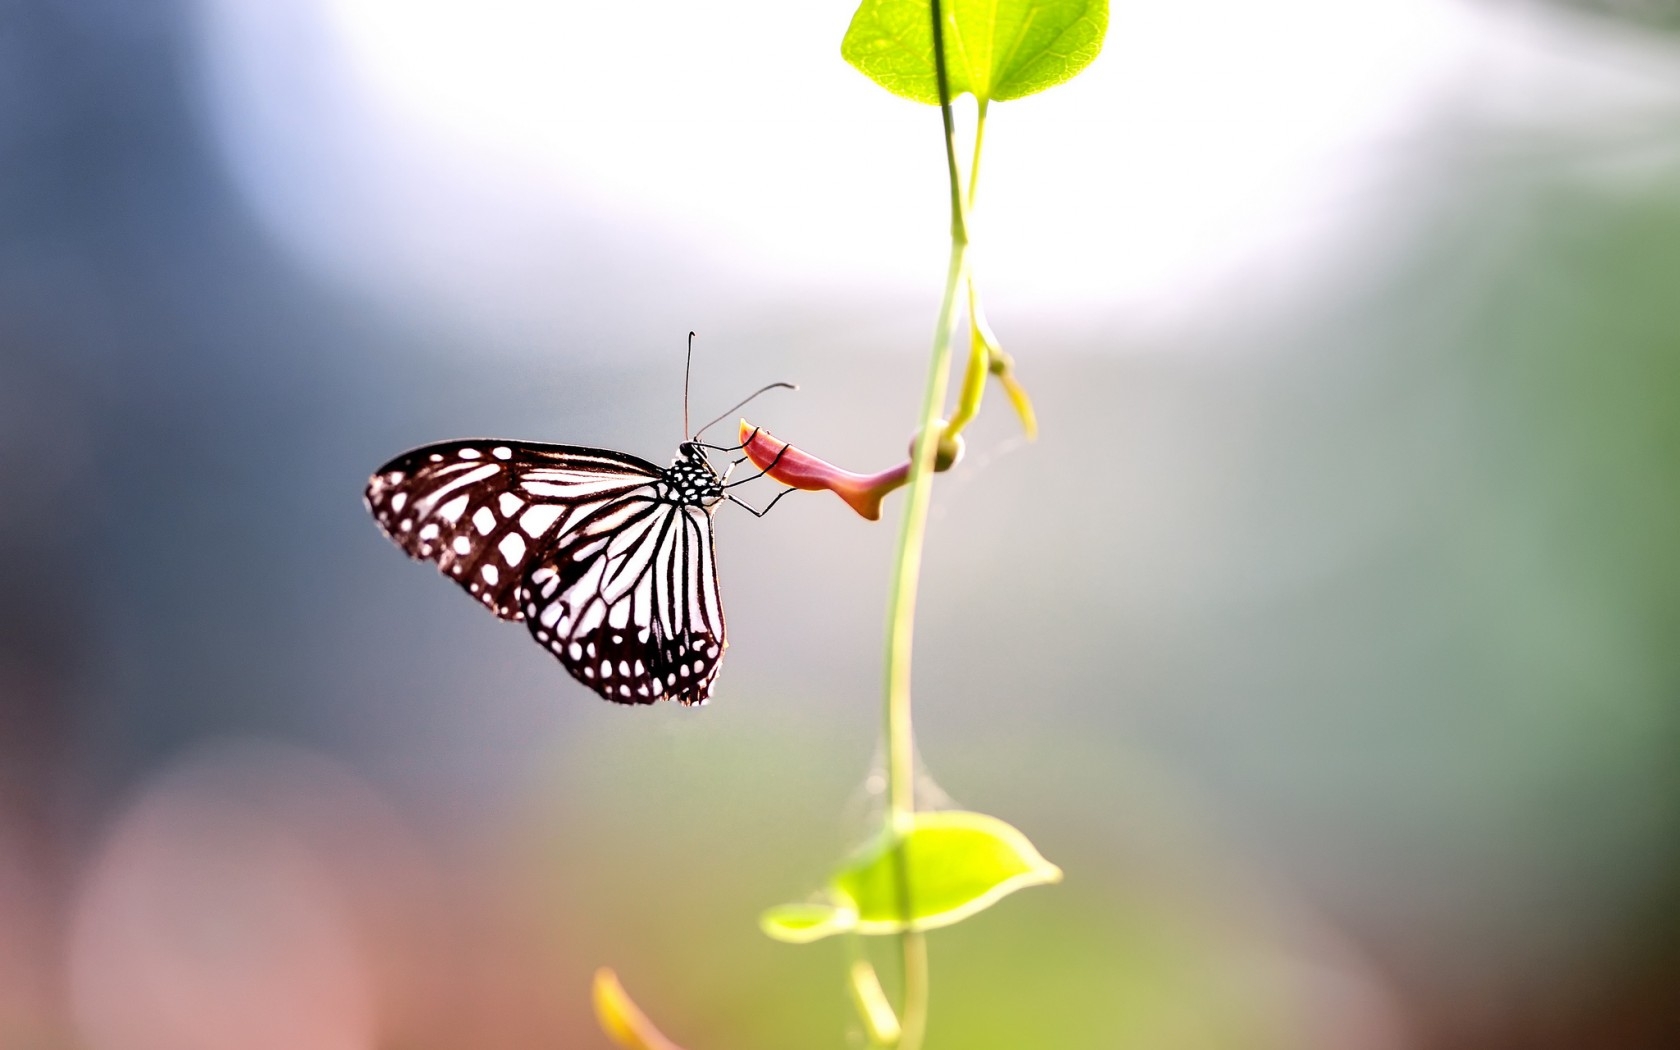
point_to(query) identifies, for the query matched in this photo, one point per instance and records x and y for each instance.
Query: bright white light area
(486, 154)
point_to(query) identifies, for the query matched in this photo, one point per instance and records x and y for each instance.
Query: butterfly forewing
(484, 511)
(607, 557)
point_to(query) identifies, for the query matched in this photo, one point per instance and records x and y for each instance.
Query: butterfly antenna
(742, 404)
(688, 365)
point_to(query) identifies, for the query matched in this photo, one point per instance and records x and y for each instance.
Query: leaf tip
(804, 923)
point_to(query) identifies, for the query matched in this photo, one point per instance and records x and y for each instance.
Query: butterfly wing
(487, 511)
(628, 602)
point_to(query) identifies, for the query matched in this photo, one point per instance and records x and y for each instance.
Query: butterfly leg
(778, 458)
(754, 511)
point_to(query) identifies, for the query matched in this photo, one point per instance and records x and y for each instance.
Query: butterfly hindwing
(485, 510)
(628, 603)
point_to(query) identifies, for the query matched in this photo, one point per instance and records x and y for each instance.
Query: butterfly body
(691, 479)
(606, 558)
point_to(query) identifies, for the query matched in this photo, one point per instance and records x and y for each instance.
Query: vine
(923, 869)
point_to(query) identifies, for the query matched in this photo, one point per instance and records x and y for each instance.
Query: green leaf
(958, 863)
(994, 49)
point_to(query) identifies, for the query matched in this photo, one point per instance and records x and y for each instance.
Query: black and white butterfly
(607, 558)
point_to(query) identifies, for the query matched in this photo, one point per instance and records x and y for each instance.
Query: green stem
(901, 617)
(907, 568)
(913, 1025)
(982, 345)
(901, 623)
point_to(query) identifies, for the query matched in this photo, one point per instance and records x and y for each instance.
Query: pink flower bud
(801, 470)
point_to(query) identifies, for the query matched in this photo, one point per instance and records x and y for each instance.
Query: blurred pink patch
(233, 906)
(27, 920)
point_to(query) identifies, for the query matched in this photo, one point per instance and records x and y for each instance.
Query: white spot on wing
(512, 548)
(536, 521)
(484, 520)
(463, 545)
(451, 511)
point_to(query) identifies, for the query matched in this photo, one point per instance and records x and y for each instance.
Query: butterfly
(607, 559)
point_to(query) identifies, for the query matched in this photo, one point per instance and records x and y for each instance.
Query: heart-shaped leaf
(994, 49)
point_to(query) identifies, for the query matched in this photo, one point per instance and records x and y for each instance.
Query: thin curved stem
(974, 162)
(985, 356)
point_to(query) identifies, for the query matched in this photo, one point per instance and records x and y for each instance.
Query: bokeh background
(1327, 638)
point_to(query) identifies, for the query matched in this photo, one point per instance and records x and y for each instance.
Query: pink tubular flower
(801, 470)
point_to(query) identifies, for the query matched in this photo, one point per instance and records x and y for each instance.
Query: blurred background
(1327, 638)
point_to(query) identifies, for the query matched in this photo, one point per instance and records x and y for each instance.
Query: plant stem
(983, 349)
(907, 568)
(913, 1025)
(901, 620)
(901, 750)
(973, 386)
